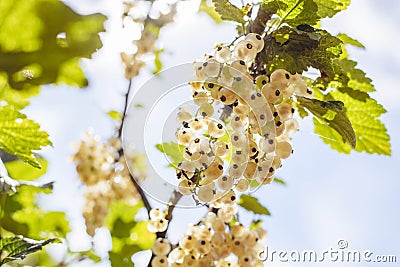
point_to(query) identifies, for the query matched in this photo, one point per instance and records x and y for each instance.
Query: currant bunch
(105, 176)
(215, 242)
(240, 129)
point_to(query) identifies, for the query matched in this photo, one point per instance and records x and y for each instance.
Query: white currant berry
(261, 80)
(216, 129)
(156, 214)
(257, 40)
(211, 68)
(161, 247)
(205, 193)
(285, 111)
(159, 261)
(245, 50)
(222, 54)
(242, 185)
(283, 149)
(206, 110)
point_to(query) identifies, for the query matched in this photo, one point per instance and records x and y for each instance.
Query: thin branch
(173, 200)
(138, 188)
(260, 22)
(125, 108)
(142, 194)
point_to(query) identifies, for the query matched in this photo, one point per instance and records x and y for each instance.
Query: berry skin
(242, 185)
(159, 261)
(283, 149)
(245, 50)
(156, 214)
(216, 129)
(261, 81)
(225, 183)
(257, 40)
(205, 193)
(222, 54)
(161, 247)
(206, 110)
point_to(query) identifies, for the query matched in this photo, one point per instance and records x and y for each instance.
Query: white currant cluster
(106, 177)
(212, 242)
(146, 45)
(240, 130)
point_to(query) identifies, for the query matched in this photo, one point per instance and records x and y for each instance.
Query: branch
(142, 194)
(173, 200)
(259, 24)
(125, 108)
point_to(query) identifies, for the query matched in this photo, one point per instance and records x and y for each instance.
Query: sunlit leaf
(173, 151)
(18, 247)
(22, 171)
(293, 12)
(252, 204)
(350, 41)
(370, 133)
(210, 10)
(227, 11)
(333, 114)
(115, 115)
(21, 136)
(45, 46)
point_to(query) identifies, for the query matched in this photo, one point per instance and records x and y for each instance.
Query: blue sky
(329, 196)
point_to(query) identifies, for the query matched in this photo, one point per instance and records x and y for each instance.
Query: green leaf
(157, 61)
(42, 224)
(370, 133)
(293, 12)
(333, 114)
(21, 215)
(115, 115)
(22, 171)
(210, 10)
(328, 8)
(17, 98)
(357, 79)
(18, 247)
(279, 181)
(227, 11)
(252, 204)
(350, 41)
(128, 235)
(298, 49)
(45, 46)
(71, 73)
(173, 151)
(21, 136)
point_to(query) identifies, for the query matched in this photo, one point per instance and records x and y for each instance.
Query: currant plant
(238, 134)
(248, 97)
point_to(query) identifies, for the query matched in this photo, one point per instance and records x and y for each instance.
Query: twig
(125, 108)
(138, 188)
(173, 200)
(142, 194)
(260, 22)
